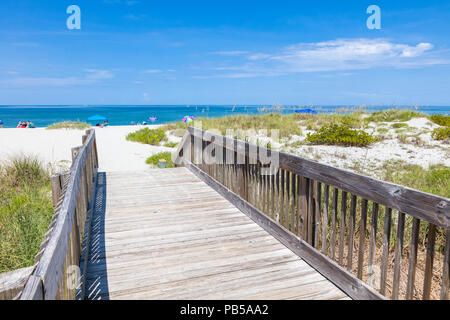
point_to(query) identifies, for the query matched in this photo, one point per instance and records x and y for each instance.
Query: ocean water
(43, 116)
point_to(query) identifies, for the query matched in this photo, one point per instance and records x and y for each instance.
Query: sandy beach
(53, 147)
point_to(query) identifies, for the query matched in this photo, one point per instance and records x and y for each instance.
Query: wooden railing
(351, 228)
(56, 274)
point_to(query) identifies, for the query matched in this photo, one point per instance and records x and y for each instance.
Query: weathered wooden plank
(412, 259)
(325, 220)
(362, 238)
(373, 239)
(386, 244)
(13, 282)
(398, 255)
(334, 219)
(317, 213)
(34, 289)
(342, 226)
(351, 233)
(431, 238)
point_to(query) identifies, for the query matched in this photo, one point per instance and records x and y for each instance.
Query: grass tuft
(392, 115)
(72, 125)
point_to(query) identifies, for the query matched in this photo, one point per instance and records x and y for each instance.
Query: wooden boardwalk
(165, 234)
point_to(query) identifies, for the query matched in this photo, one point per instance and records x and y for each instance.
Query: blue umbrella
(306, 111)
(1, 122)
(97, 117)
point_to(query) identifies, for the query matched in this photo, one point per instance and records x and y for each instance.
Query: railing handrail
(48, 270)
(425, 206)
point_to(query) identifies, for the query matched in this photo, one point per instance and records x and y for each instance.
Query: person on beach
(1, 124)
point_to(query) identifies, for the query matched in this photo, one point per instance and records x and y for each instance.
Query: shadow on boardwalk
(97, 274)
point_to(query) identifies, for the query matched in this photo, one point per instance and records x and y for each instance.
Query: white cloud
(336, 55)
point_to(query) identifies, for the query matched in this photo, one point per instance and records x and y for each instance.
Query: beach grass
(434, 180)
(286, 124)
(25, 211)
(289, 124)
(71, 125)
(392, 115)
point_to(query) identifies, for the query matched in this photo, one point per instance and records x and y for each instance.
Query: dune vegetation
(154, 160)
(25, 211)
(71, 125)
(148, 136)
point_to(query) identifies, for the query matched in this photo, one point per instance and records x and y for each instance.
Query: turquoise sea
(43, 116)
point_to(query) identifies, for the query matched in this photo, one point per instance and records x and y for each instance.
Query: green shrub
(343, 135)
(162, 155)
(441, 133)
(73, 125)
(441, 120)
(148, 136)
(25, 211)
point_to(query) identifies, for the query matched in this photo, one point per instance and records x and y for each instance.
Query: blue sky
(225, 52)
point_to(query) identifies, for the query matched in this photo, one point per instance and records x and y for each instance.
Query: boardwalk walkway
(165, 234)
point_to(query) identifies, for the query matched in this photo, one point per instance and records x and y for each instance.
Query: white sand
(53, 147)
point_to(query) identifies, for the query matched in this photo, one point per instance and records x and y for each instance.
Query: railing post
(56, 189)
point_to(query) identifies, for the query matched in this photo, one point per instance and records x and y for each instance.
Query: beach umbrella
(188, 119)
(306, 111)
(1, 122)
(97, 117)
(153, 119)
